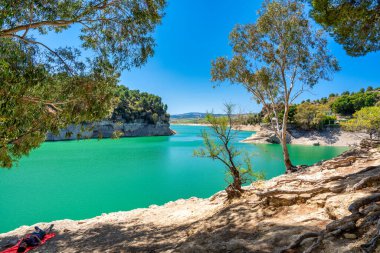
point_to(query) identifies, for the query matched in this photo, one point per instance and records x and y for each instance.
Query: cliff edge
(110, 129)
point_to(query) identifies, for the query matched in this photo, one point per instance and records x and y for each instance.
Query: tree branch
(27, 41)
(58, 23)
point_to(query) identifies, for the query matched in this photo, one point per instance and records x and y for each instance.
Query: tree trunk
(234, 190)
(288, 164)
(237, 180)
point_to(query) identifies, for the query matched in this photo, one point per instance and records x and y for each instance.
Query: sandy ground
(249, 224)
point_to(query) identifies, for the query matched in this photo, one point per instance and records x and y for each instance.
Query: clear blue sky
(193, 33)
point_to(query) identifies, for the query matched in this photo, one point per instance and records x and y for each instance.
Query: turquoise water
(82, 179)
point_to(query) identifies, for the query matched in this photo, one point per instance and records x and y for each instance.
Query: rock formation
(110, 129)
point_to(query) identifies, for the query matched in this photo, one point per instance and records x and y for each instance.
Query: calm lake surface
(83, 179)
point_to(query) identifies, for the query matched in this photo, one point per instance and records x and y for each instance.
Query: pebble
(350, 236)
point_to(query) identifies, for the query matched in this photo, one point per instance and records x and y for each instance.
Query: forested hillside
(139, 107)
(316, 114)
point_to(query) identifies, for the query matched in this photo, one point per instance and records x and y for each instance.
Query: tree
(324, 100)
(368, 119)
(44, 89)
(353, 23)
(312, 116)
(348, 104)
(218, 146)
(276, 59)
(250, 119)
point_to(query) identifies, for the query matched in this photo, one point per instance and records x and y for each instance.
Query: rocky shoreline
(289, 213)
(110, 129)
(327, 137)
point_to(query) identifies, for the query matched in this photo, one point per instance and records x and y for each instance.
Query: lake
(83, 179)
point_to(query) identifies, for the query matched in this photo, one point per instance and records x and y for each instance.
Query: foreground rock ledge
(286, 214)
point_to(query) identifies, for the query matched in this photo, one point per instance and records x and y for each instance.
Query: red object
(14, 248)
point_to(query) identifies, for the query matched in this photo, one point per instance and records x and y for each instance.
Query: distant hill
(192, 115)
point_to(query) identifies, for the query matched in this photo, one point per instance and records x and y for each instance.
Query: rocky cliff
(110, 129)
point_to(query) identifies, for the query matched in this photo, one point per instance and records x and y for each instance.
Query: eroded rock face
(274, 139)
(337, 206)
(109, 129)
(266, 136)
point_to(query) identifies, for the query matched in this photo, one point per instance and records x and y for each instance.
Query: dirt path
(269, 217)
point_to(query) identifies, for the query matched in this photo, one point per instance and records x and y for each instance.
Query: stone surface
(350, 236)
(337, 206)
(266, 136)
(109, 129)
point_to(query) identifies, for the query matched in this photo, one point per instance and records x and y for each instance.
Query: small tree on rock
(276, 59)
(218, 146)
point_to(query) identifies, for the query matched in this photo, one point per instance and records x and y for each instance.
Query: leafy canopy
(312, 116)
(348, 104)
(137, 106)
(44, 89)
(353, 23)
(116, 30)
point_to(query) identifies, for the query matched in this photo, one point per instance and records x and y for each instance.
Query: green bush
(312, 116)
(349, 104)
(367, 119)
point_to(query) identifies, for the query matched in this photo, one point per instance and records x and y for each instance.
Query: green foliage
(33, 101)
(324, 100)
(218, 146)
(250, 119)
(348, 104)
(312, 116)
(291, 114)
(136, 106)
(116, 134)
(118, 32)
(354, 24)
(368, 119)
(44, 89)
